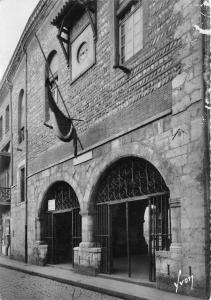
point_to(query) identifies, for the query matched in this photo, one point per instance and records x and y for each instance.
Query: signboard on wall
(51, 205)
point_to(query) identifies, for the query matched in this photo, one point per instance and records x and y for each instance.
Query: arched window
(53, 64)
(21, 116)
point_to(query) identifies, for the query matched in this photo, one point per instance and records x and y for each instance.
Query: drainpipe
(10, 86)
(205, 42)
(26, 156)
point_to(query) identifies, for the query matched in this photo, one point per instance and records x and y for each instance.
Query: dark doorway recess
(132, 218)
(61, 226)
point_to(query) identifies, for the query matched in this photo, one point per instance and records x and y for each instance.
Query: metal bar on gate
(52, 240)
(150, 241)
(165, 224)
(154, 220)
(109, 238)
(170, 224)
(128, 241)
(72, 237)
(132, 199)
(101, 232)
(106, 239)
(162, 231)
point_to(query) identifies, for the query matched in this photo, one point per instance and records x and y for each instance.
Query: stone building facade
(135, 201)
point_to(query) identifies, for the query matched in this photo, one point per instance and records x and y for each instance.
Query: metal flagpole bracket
(48, 125)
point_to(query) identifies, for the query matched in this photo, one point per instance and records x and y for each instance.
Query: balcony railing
(5, 196)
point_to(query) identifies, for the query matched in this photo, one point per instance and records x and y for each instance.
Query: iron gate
(103, 236)
(132, 179)
(76, 230)
(65, 202)
(159, 228)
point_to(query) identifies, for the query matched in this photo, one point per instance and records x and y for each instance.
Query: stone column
(39, 228)
(40, 248)
(87, 230)
(87, 258)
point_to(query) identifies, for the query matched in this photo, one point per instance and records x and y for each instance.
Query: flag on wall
(62, 125)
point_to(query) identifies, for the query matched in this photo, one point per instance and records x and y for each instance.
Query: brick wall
(165, 77)
(105, 98)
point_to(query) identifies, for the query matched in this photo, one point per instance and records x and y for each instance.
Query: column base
(39, 256)
(168, 264)
(87, 260)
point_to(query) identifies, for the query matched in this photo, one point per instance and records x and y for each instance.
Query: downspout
(10, 86)
(205, 41)
(26, 157)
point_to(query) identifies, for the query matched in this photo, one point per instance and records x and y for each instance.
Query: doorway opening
(61, 223)
(63, 238)
(132, 218)
(136, 246)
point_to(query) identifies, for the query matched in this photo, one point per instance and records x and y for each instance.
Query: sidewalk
(124, 290)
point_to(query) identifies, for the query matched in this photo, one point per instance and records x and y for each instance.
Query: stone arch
(52, 185)
(134, 149)
(124, 189)
(59, 228)
(51, 180)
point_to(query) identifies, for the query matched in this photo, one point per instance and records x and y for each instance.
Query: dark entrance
(63, 237)
(129, 189)
(62, 226)
(128, 238)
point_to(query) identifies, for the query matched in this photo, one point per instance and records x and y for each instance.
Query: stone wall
(154, 113)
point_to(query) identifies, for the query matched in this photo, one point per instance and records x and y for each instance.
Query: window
(82, 52)
(22, 184)
(130, 32)
(21, 116)
(7, 119)
(51, 78)
(1, 128)
(4, 179)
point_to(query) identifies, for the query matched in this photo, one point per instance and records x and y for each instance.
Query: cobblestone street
(16, 285)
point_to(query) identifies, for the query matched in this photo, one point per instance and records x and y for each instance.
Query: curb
(76, 283)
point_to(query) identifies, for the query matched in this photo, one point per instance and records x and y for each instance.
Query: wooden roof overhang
(69, 14)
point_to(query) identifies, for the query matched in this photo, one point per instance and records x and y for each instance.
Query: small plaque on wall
(82, 52)
(51, 205)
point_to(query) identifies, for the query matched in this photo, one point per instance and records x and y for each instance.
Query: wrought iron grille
(64, 195)
(5, 195)
(122, 184)
(130, 177)
(160, 229)
(66, 201)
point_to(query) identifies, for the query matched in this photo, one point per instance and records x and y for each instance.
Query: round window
(82, 52)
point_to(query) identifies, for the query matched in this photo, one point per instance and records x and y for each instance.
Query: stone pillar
(175, 206)
(87, 230)
(87, 258)
(168, 263)
(40, 248)
(39, 228)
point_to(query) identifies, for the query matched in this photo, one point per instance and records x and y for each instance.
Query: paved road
(15, 285)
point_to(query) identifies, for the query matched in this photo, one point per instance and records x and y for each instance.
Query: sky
(14, 15)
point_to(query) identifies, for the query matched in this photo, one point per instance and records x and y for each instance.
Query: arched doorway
(61, 226)
(130, 196)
